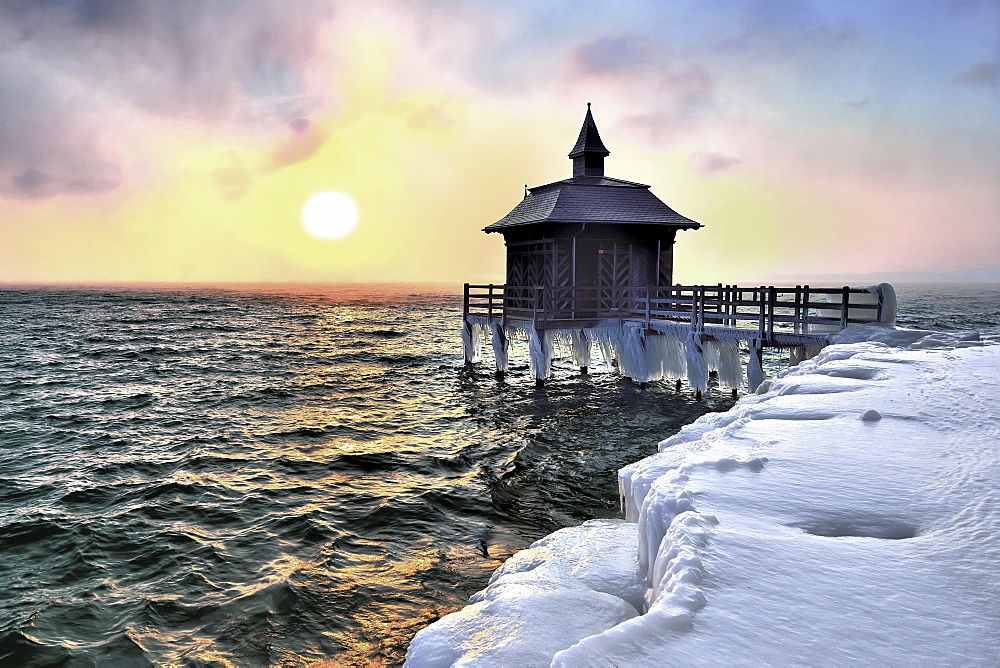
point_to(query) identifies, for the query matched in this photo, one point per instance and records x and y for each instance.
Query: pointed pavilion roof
(589, 140)
(592, 199)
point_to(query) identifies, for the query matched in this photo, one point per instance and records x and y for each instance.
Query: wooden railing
(767, 309)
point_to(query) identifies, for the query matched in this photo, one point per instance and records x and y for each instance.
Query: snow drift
(849, 512)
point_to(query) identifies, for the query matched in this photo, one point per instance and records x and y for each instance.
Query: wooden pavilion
(590, 259)
(591, 232)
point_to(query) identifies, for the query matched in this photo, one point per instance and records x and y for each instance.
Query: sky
(153, 141)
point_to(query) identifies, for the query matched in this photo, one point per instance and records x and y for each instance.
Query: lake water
(276, 475)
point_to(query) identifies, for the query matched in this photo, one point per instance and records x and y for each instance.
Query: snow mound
(572, 584)
(492, 632)
(597, 555)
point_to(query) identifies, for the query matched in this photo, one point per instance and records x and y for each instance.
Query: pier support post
(500, 347)
(539, 354)
(755, 365)
(697, 369)
(471, 343)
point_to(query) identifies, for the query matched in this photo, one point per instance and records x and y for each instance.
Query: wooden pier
(800, 317)
(776, 317)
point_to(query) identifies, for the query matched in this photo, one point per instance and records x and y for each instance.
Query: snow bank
(849, 513)
(572, 584)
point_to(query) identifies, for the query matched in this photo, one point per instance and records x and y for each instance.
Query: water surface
(275, 475)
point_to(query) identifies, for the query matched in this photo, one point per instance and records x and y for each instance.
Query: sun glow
(329, 215)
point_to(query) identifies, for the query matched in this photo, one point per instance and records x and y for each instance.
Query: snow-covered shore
(848, 513)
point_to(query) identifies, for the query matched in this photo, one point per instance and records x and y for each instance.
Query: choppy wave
(252, 476)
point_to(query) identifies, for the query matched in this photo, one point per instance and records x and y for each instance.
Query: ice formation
(847, 514)
(883, 292)
(664, 351)
(473, 332)
(501, 345)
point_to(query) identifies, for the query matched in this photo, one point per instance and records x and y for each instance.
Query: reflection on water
(263, 475)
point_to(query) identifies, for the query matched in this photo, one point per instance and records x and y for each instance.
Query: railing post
(730, 305)
(797, 324)
(647, 306)
(465, 301)
(761, 310)
(489, 307)
(805, 309)
(701, 307)
(772, 302)
(845, 306)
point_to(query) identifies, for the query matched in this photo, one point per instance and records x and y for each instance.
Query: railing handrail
(764, 308)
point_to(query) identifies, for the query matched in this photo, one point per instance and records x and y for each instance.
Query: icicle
(730, 367)
(697, 370)
(675, 366)
(755, 372)
(581, 348)
(632, 356)
(606, 337)
(712, 354)
(539, 354)
(500, 346)
(657, 352)
(472, 341)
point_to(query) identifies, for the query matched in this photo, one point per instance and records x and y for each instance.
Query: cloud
(711, 165)
(76, 74)
(34, 183)
(50, 137)
(980, 75)
(665, 95)
(615, 54)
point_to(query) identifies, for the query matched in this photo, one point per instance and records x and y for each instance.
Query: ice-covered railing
(671, 332)
(767, 310)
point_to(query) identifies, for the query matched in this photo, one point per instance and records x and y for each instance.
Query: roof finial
(525, 190)
(588, 105)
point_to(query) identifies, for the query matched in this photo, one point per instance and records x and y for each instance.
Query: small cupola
(588, 154)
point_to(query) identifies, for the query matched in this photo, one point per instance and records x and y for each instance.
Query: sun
(329, 215)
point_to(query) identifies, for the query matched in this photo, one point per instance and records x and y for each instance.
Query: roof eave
(581, 151)
(496, 227)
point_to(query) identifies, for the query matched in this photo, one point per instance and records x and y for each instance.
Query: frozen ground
(849, 513)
